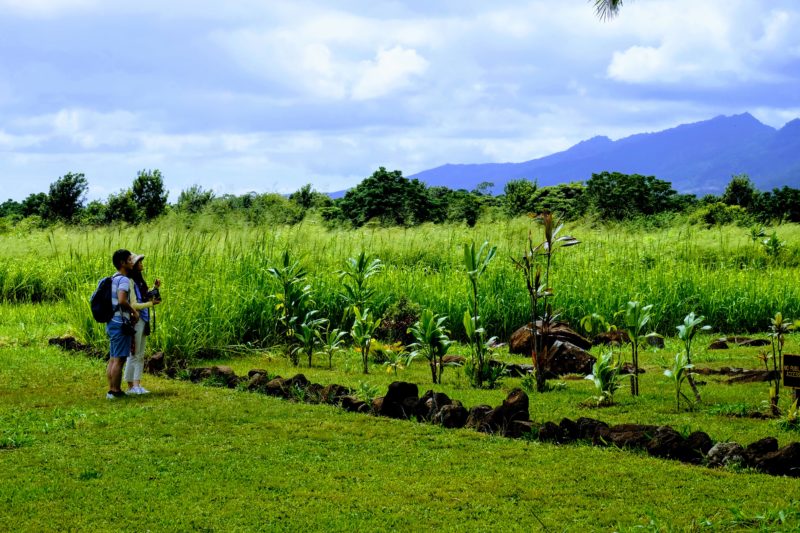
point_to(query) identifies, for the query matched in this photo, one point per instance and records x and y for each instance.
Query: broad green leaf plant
(686, 333)
(432, 341)
(362, 334)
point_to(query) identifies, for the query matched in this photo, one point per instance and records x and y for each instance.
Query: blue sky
(267, 96)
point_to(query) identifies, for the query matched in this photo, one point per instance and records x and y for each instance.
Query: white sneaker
(142, 390)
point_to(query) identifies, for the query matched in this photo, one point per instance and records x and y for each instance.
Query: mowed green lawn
(192, 457)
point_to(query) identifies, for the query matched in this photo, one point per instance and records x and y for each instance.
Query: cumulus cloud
(272, 95)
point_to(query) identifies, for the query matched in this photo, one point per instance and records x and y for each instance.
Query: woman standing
(143, 300)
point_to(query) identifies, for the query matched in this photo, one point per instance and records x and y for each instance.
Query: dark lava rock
(451, 416)
(569, 430)
(332, 394)
(400, 401)
(627, 368)
(477, 415)
(566, 358)
(759, 448)
(299, 381)
(752, 376)
(518, 429)
(783, 462)
(670, 444)
(754, 342)
(277, 387)
(500, 419)
(700, 441)
(257, 382)
(520, 342)
(518, 371)
(453, 360)
(199, 374)
(253, 371)
(718, 345)
(587, 427)
(68, 342)
(226, 375)
(550, 432)
(630, 435)
(725, 453)
(354, 405)
(611, 338)
(314, 393)
(656, 341)
(155, 363)
(430, 404)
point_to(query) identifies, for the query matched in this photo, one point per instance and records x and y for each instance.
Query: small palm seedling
(432, 341)
(331, 342)
(476, 262)
(773, 245)
(605, 376)
(680, 372)
(397, 360)
(308, 335)
(362, 333)
(595, 323)
(355, 277)
(637, 316)
(755, 233)
(792, 419)
(686, 333)
(778, 328)
(367, 392)
(292, 298)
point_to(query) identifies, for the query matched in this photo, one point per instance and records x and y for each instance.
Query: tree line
(388, 198)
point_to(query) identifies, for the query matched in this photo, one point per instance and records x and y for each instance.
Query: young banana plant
(637, 316)
(686, 333)
(476, 262)
(362, 333)
(432, 341)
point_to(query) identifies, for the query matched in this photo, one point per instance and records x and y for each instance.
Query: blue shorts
(120, 344)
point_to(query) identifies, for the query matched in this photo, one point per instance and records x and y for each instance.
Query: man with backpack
(120, 327)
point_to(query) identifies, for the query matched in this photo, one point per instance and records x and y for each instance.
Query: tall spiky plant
(476, 262)
(539, 290)
(293, 298)
(778, 328)
(637, 316)
(686, 333)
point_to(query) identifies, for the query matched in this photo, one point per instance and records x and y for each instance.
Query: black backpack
(102, 308)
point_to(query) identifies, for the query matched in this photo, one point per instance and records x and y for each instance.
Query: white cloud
(45, 8)
(391, 70)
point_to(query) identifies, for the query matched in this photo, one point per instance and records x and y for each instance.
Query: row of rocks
(512, 419)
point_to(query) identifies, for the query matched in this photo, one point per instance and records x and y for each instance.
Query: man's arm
(125, 305)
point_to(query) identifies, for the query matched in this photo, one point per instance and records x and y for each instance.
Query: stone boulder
(451, 416)
(700, 441)
(520, 342)
(627, 368)
(257, 382)
(669, 444)
(718, 344)
(725, 453)
(501, 419)
(354, 405)
(155, 364)
(477, 415)
(759, 448)
(782, 462)
(655, 341)
(254, 371)
(225, 375)
(566, 358)
(611, 338)
(453, 360)
(430, 404)
(333, 394)
(400, 401)
(550, 432)
(628, 435)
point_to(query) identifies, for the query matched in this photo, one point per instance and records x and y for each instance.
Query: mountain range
(696, 158)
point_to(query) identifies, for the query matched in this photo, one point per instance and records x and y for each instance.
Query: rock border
(512, 419)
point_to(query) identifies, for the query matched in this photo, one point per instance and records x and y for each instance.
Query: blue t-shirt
(120, 283)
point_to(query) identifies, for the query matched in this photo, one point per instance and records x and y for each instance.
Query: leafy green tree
(66, 197)
(304, 196)
(10, 208)
(617, 196)
(518, 197)
(388, 197)
(149, 194)
(34, 204)
(121, 207)
(194, 199)
(740, 191)
(95, 213)
(566, 199)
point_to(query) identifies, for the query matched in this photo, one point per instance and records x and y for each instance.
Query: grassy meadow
(200, 457)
